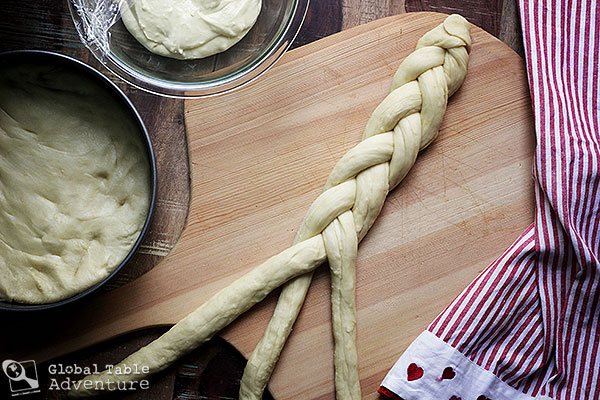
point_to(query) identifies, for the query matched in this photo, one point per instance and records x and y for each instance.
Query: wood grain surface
(254, 177)
(467, 199)
(46, 25)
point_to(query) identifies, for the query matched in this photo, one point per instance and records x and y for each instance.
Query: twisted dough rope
(407, 120)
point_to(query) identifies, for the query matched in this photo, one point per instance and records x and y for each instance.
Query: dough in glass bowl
(189, 29)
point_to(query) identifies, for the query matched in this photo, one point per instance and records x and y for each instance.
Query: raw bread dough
(190, 28)
(74, 183)
(218, 312)
(406, 121)
(341, 244)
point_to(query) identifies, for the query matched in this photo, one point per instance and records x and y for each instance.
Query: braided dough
(405, 122)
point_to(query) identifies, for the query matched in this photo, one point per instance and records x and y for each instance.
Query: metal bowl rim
(80, 66)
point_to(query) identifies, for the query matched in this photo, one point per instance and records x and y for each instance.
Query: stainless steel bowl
(77, 67)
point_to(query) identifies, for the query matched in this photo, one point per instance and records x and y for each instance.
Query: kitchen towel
(528, 327)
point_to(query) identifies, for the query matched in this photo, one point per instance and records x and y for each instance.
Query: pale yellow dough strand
(407, 121)
(341, 244)
(353, 197)
(218, 312)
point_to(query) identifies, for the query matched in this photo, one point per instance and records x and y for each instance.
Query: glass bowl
(103, 32)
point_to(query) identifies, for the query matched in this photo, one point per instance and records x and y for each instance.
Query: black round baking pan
(54, 59)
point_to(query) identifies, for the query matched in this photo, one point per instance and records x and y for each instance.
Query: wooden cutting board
(260, 156)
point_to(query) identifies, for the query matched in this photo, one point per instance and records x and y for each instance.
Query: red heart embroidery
(448, 373)
(455, 398)
(414, 372)
(482, 397)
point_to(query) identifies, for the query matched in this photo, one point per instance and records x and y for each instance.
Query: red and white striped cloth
(529, 326)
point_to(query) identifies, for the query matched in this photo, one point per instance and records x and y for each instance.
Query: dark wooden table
(212, 371)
